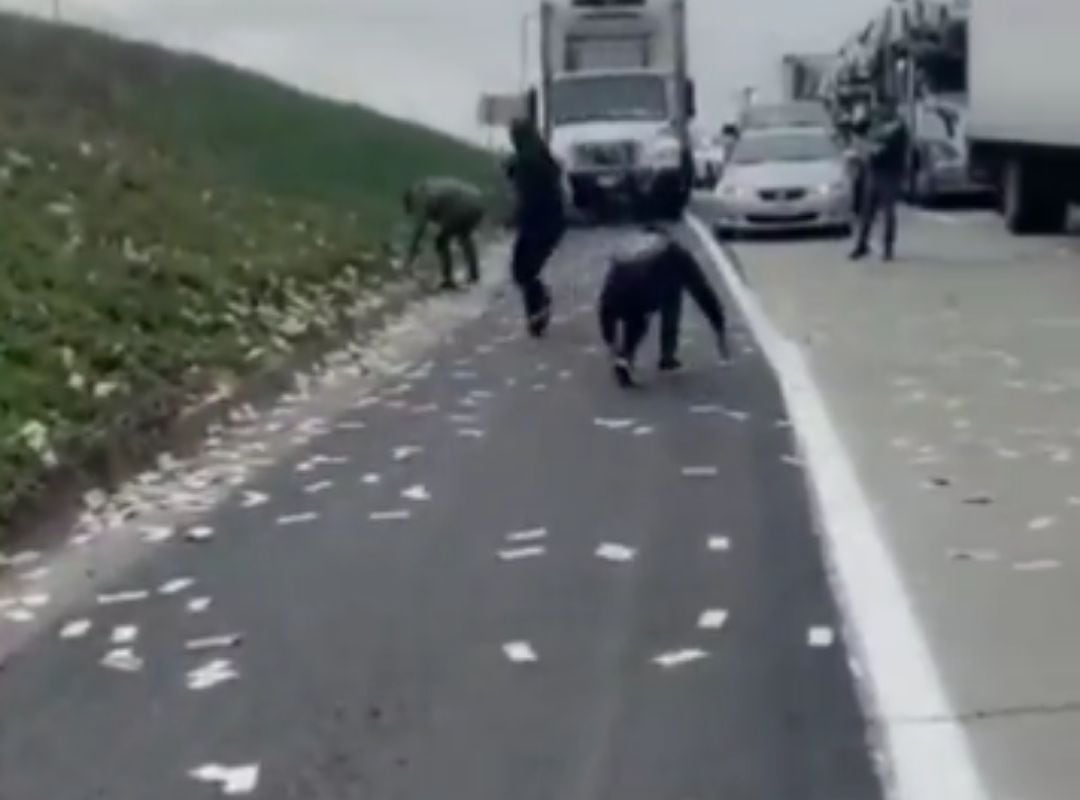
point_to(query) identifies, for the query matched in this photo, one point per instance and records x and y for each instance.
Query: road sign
(501, 109)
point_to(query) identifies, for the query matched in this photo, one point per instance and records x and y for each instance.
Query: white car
(782, 179)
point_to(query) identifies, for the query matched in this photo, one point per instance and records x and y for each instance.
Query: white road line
(929, 754)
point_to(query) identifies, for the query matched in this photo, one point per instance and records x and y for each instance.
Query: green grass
(165, 219)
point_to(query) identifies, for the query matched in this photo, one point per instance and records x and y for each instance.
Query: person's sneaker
(448, 286)
(474, 277)
(540, 322)
(670, 364)
(724, 349)
(624, 372)
(859, 253)
(888, 255)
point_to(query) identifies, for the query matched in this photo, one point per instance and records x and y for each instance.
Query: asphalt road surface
(398, 639)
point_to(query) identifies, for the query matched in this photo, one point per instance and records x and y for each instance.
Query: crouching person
(648, 276)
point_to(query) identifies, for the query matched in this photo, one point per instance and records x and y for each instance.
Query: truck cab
(615, 103)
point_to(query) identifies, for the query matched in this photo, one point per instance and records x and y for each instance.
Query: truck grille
(606, 155)
(775, 195)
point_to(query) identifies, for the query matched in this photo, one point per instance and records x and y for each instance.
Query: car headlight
(832, 189)
(732, 191)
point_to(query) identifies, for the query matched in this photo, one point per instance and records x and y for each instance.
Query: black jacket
(537, 181)
(644, 281)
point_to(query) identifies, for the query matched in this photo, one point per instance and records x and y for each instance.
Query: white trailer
(1024, 117)
(615, 100)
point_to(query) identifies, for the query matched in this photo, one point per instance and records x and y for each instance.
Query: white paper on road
(124, 634)
(678, 658)
(117, 598)
(979, 556)
(198, 605)
(1040, 565)
(221, 642)
(712, 619)
(318, 487)
(176, 586)
(610, 551)
(613, 424)
(406, 452)
(348, 425)
(36, 600)
(34, 575)
(21, 615)
(700, 472)
(200, 533)
(253, 499)
(539, 387)
(76, 629)
(122, 659)
(707, 409)
(644, 430)
(463, 419)
(155, 534)
(211, 674)
(1042, 523)
(418, 493)
(233, 781)
(719, 544)
(390, 516)
(738, 416)
(471, 433)
(820, 636)
(371, 479)
(297, 519)
(520, 652)
(520, 553)
(793, 461)
(527, 535)
(1074, 502)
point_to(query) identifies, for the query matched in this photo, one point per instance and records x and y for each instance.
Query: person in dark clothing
(456, 208)
(649, 276)
(886, 162)
(541, 220)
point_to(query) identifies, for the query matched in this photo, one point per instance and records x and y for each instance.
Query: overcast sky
(429, 59)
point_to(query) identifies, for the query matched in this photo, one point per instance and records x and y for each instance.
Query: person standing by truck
(457, 209)
(886, 161)
(540, 217)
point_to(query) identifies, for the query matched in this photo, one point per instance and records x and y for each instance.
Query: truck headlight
(664, 153)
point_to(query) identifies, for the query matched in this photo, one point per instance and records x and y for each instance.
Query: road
(953, 377)
(490, 575)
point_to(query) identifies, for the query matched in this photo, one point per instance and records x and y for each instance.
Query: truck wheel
(1030, 202)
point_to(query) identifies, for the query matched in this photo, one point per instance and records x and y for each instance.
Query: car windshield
(610, 97)
(784, 147)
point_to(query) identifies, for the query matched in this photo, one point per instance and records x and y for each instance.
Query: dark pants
(880, 196)
(462, 233)
(534, 246)
(628, 329)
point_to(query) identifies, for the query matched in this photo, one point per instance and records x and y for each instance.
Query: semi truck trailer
(1024, 118)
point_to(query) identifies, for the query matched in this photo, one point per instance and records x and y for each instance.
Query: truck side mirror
(730, 131)
(691, 99)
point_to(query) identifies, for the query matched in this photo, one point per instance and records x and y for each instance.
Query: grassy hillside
(164, 219)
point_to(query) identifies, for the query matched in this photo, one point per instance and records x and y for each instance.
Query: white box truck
(1024, 118)
(615, 101)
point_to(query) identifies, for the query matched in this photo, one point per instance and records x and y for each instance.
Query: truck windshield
(609, 97)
